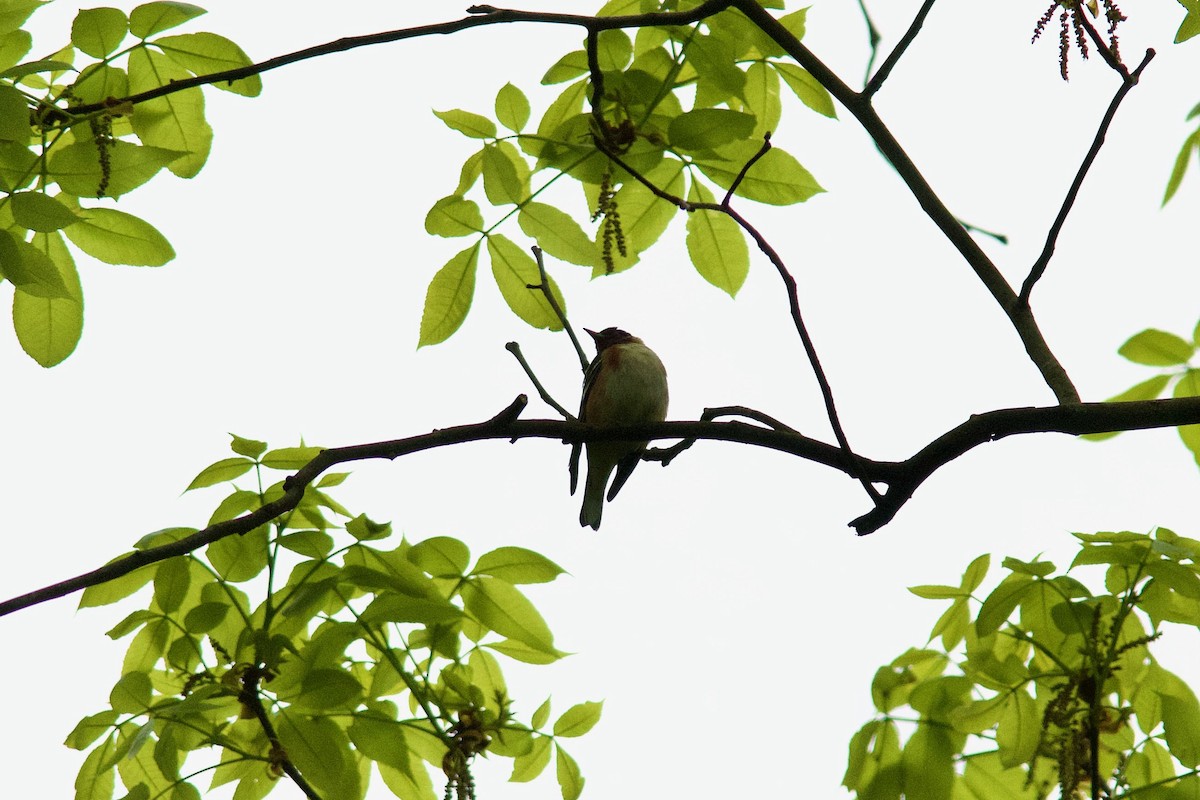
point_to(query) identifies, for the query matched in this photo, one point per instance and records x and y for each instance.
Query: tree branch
(901, 477)
(893, 58)
(479, 15)
(860, 106)
(1039, 267)
(249, 697)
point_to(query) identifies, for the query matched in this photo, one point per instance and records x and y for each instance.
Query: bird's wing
(624, 469)
(589, 379)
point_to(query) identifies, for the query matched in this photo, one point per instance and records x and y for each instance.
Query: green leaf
(363, 528)
(290, 458)
(411, 784)
(328, 689)
(706, 128)
(380, 738)
(515, 271)
(776, 179)
(1157, 349)
(206, 53)
(567, 68)
(14, 116)
(175, 122)
(1191, 22)
(30, 269)
(540, 716)
(454, 216)
(448, 298)
(40, 212)
(206, 616)
(644, 216)
(1000, 604)
(807, 89)
(517, 565)
(33, 67)
(975, 573)
(314, 544)
(1190, 144)
(239, 558)
(14, 46)
(530, 765)
(501, 607)
(226, 469)
(1019, 730)
(570, 781)
(131, 694)
(520, 651)
(1181, 723)
(937, 592)
(578, 719)
(512, 108)
(558, 234)
(613, 50)
(928, 762)
(320, 749)
(97, 775)
(151, 18)
(762, 98)
(91, 728)
(118, 588)
(115, 237)
(716, 244)
(49, 328)
(99, 31)
(250, 448)
(467, 123)
(505, 174)
(171, 584)
(77, 167)
(441, 556)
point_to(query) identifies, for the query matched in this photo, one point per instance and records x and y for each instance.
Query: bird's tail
(593, 498)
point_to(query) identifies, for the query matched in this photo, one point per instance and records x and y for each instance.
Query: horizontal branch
(901, 477)
(480, 15)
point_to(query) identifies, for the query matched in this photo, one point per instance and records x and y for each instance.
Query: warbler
(625, 384)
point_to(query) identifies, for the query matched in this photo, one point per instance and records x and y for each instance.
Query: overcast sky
(725, 613)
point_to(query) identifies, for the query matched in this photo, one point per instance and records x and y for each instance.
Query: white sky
(725, 612)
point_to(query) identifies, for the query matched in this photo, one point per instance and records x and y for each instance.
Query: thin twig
(515, 349)
(741, 176)
(873, 38)
(810, 350)
(544, 286)
(889, 63)
(1106, 52)
(1043, 261)
(480, 15)
(1022, 319)
(749, 413)
(249, 697)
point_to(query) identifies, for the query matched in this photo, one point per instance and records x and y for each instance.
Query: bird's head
(610, 336)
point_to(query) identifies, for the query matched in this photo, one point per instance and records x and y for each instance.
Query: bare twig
(1106, 52)
(810, 350)
(515, 349)
(544, 287)
(873, 38)
(859, 105)
(889, 63)
(1039, 267)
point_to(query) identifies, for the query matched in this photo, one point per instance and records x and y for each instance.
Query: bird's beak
(591, 333)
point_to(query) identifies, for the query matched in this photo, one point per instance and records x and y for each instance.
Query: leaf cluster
(311, 645)
(56, 162)
(684, 108)
(1157, 348)
(1043, 686)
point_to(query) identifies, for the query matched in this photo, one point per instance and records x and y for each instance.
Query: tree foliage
(294, 637)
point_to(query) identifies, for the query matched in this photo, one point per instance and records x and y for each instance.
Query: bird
(625, 384)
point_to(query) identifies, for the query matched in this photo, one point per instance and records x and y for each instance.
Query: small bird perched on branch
(625, 384)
